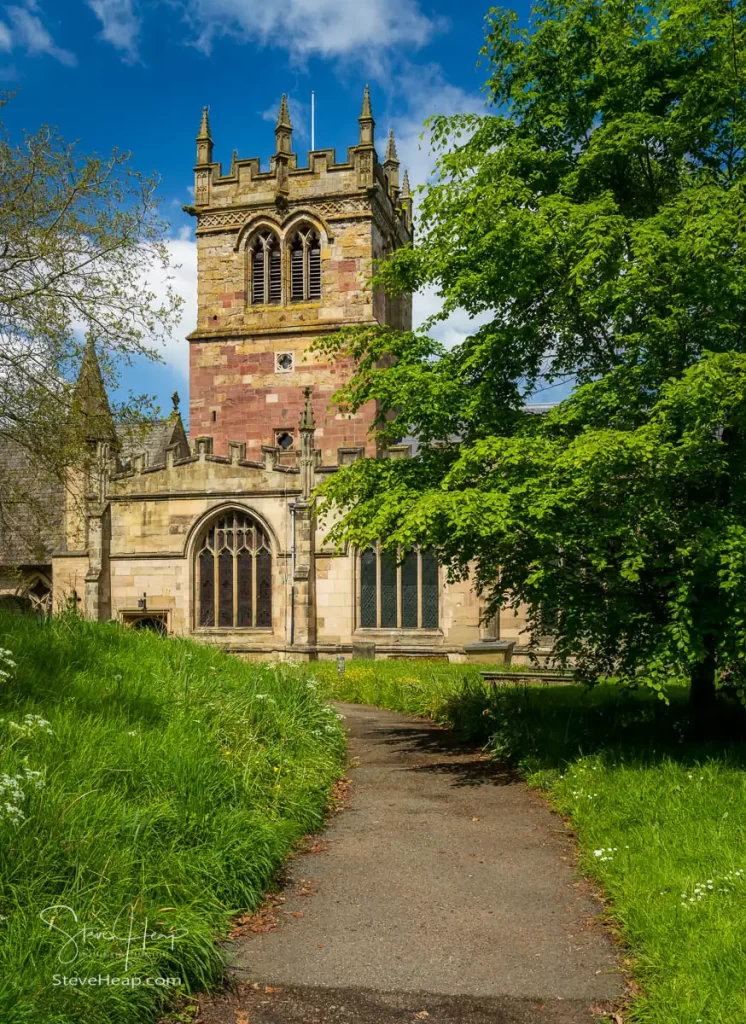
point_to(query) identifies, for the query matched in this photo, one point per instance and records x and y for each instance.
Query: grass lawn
(660, 821)
(148, 789)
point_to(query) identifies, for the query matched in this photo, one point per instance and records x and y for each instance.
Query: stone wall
(141, 532)
(156, 516)
(238, 391)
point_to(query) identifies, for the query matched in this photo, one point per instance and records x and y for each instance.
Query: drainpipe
(291, 507)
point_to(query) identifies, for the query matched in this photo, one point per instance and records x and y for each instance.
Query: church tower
(284, 258)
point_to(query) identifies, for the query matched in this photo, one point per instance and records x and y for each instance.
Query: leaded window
(398, 592)
(233, 575)
(305, 266)
(265, 260)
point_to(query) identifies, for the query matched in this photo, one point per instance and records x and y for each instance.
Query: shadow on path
(446, 889)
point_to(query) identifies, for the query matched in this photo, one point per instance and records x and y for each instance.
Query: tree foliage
(596, 222)
(80, 243)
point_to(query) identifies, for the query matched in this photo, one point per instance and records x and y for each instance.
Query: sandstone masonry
(214, 535)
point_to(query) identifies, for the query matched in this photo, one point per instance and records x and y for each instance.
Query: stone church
(213, 534)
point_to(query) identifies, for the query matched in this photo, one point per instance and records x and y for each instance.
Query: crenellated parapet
(285, 256)
(303, 468)
(226, 201)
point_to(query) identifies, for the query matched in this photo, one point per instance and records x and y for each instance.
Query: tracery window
(39, 593)
(233, 574)
(265, 258)
(284, 439)
(305, 266)
(34, 595)
(398, 593)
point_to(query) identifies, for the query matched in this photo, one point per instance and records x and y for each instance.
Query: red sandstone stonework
(357, 215)
(239, 396)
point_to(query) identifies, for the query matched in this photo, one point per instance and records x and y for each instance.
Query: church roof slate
(31, 523)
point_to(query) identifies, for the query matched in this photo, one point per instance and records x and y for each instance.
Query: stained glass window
(225, 588)
(206, 588)
(398, 592)
(368, 589)
(388, 591)
(264, 588)
(409, 574)
(244, 565)
(429, 590)
(234, 575)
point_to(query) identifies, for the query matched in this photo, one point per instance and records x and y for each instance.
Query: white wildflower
(29, 725)
(605, 853)
(37, 722)
(7, 664)
(724, 884)
(12, 794)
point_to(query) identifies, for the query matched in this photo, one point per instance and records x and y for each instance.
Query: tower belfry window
(305, 266)
(266, 269)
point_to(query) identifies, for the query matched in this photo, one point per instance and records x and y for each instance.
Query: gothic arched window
(398, 593)
(305, 266)
(265, 260)
(39, 593)
(233, 574)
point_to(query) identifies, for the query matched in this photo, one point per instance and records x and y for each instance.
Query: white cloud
(452, 331)
(429, 93)
(330, 28)
(183, 274)
(6, 40)
(28, 31)
(300, 115)
(119, 24)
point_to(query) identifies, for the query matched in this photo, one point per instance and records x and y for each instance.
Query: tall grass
(148, 789)
(423, 688)
(660, 820)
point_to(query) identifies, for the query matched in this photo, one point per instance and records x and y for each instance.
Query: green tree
(597, 221)
(81, 242)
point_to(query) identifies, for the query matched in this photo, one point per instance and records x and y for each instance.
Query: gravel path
(447, 893)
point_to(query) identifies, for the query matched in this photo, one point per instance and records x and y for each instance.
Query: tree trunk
(702, 694)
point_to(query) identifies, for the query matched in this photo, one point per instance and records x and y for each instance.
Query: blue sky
(135, 74)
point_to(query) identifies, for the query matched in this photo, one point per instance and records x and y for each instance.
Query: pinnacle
(204, 128)
(283, 119)
(366, 114)
(90, 406)
(391, 156)
(307, 421)
(405, 189)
